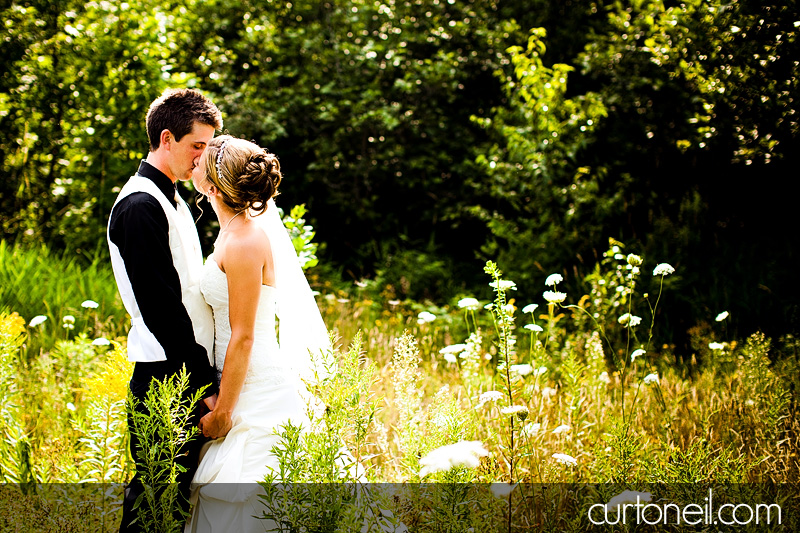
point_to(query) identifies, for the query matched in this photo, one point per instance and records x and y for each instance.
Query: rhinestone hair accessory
(219, 157)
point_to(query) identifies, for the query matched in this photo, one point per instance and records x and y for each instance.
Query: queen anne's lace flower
(101, 341)
(523, 369)
(629, 320)
(553, 279)
(530, 308)
(634, 260)
(489, 396)
(664, 269)
(565, 459)
(563, 428)
(637, 353)
(628, 497)
(501, 490)
(90, 304)
(504, 285)
(716, 345)
(650, 378)
(555, 297)
(425, 317)
(465, 453)
(531, 429)
(722, 316)
(533, 327)
(469, 303)
(38, 319)
(453, 348)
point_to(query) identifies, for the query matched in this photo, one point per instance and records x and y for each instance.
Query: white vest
(188, 260)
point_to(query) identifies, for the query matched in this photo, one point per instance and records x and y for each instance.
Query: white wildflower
(565, 459)
(722, 316)
(453, 348)
(664, 269)
(68, 322)
(489, 306)
(530, 308)
(35, 321)
(464, 453)
(450, 358)
(90, 304)
(553, 279)
(604, 377)
(533, 327)
(549, 392)
(502, 490)
(650, 378)
(628, 497)
(101, 341)
(469, 303)
(541, 370)
(637, 353)
(523, 369)
(508, 308)
(563, 428)
(629, 320)
(531, 429)
(489, 396)
(634, 260)
(425, 317)
(716, 345)
(555, 297)
(504, 285)
(71, 406)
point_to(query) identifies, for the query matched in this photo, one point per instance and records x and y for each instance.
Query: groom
(157, 262)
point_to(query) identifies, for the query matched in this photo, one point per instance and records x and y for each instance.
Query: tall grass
(570, 390)
(36, 281)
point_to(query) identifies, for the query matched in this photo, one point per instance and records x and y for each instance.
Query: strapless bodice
(265, 358)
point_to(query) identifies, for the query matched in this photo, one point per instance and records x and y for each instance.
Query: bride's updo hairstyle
(246, 175)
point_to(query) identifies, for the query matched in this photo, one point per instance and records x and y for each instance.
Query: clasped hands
(215, 424)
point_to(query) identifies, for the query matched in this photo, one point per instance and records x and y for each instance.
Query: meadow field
(566, 391)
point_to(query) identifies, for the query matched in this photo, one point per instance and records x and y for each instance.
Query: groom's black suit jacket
(139, 228)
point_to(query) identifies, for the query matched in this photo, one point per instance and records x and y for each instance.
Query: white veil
(303, 336)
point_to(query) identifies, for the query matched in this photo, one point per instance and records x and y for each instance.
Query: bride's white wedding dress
(225, 489)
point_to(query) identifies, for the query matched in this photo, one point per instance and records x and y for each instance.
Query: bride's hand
(215, 424)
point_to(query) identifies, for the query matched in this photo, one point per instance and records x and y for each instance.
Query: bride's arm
(244, 258)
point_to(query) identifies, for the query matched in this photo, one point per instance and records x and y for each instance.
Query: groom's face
(185, 154)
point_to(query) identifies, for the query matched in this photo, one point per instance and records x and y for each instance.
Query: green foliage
(302, 236)
(39, 281)
(162, 430)
(73, 98)
(423, 134)
(15, 459)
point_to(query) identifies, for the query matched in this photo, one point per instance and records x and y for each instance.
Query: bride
(252, 274)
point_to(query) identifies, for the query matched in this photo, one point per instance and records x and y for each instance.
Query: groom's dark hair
(177, 110)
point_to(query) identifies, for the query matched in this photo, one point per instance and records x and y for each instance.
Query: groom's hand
(216, 424)
(210, 401)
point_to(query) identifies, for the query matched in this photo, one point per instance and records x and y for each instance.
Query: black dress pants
(143, 374)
